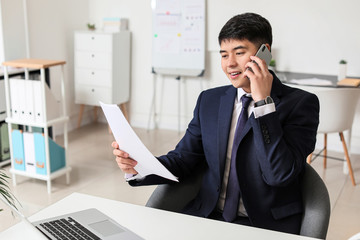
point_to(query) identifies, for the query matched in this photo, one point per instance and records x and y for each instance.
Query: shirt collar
(240, 93)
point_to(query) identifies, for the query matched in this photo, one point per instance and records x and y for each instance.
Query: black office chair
(174, 197)
(316, 216)
(315, 221)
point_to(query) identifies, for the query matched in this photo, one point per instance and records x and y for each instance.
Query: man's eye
(224, 56)
(239, 53)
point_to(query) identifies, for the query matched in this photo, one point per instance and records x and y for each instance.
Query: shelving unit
(40, 64)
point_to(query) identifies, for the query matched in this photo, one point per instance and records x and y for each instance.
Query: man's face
(234, 55)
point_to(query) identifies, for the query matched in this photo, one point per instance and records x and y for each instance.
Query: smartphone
(264, 54)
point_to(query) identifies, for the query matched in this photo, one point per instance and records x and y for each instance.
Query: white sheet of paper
(130, 143)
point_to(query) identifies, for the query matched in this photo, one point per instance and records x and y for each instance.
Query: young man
(252, 171)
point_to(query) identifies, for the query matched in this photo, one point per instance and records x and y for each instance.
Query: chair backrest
(316, 216)
(315, 221)
(337, 107)
(174, 197)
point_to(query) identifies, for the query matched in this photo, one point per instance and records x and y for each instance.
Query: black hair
(249, 26)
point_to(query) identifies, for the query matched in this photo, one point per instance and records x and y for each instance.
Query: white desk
(149, 223)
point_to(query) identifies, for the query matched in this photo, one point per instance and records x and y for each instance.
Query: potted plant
(5, 194)
(91, 26)
(342, 69)
(272, 65)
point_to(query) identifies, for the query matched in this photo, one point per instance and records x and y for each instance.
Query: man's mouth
(234, 75)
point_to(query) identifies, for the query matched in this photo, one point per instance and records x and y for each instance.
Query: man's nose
(231, 61)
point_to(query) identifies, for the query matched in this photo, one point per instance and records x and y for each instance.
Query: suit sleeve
(284, 145)
(189, 152)
(187, 155)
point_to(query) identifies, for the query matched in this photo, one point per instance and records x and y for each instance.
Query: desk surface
(149, 223)
(286, 78)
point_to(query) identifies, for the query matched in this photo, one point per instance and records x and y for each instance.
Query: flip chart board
(178, 40)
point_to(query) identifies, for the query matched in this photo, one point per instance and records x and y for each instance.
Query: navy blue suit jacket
(270, 160)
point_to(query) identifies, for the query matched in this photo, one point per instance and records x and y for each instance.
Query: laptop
(87, 224)
(90, 224)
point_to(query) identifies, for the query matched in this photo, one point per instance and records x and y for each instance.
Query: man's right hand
(125, 163)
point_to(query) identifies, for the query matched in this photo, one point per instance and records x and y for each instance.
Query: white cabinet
(102, 67)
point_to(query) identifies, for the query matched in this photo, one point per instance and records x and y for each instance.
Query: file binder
(37, 102)
(4, 142)
(2, 101)
(27, 104)
(29, 101)
(14, 99)
(57, 155)
(52, 104)
(21, 93)
(18, 150)
(21, 97)
(29, 151)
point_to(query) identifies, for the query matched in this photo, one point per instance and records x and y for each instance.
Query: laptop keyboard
(68, 229)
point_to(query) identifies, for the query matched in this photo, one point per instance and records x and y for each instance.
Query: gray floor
(95, 172)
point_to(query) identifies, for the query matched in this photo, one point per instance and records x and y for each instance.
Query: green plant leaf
(5, 192)
(342, 61)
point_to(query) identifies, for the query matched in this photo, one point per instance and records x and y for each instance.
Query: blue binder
(57, 155)
(18, 150)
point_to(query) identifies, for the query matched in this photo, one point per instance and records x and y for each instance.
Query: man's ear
(268, 46)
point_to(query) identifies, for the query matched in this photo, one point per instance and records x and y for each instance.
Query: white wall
(51, 29)
(309, 37)
(12, 30)
(138, 13)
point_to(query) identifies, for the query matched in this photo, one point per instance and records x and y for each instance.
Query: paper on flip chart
(130, 143)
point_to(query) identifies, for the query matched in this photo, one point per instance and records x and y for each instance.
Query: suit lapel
(224, 123)
(276, 90)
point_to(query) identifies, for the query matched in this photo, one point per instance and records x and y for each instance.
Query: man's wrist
(265, 101)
